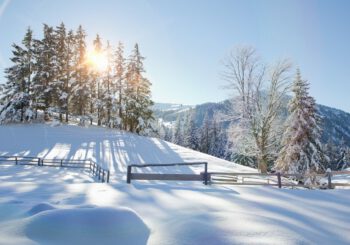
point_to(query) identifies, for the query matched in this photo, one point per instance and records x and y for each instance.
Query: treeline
(207, 135)
(55, 77)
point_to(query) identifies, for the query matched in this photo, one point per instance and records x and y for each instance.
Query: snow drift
(86, 226)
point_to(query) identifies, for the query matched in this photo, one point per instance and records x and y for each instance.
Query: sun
(97, 60)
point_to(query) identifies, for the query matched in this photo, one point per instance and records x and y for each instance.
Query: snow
(38, 205)
(110, 148)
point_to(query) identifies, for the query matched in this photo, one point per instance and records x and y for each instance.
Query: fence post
(61, 162)
(128, 176)
(107, 176)
(206, 173)
(279, 180)
(39, 161)
(16, 160)
(329, 177)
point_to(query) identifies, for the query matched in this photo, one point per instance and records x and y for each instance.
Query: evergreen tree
(80, 86)
(138, 93)
(178, 132)
(119, 85)
(301, 151)
(205, 135)
(191, 132)
(16, 92)
(108, 82)
(59, 92)
(45, 76)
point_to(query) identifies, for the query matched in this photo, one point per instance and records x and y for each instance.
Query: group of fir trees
(207, 136)
(53, 77)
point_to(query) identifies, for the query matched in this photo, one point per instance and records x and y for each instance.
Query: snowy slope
(111, 148)
(43, 205)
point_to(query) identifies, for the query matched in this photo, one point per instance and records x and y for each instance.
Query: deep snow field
(43, 205)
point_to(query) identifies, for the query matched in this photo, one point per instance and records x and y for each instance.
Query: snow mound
(196, 230)
(41, 207)
(87, 226)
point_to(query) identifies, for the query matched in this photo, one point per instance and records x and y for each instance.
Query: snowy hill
(112, 149)
(44, 205)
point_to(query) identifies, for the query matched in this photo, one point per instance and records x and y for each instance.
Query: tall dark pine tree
(60, 93)
(138, 93)
(108, 93)
(17, 90)
(45, 76)
(301, 151)
(80, 88)
(96, 83)
(119, 84)
(191, 132)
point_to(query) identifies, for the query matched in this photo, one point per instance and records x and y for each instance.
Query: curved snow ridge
(99, 225)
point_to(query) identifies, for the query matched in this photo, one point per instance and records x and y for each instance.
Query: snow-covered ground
(44, 205)
(110, 148)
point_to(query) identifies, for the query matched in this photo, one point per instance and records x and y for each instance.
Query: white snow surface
(110, 148)
(44, 205)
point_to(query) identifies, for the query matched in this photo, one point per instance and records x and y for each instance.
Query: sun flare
(98, 60)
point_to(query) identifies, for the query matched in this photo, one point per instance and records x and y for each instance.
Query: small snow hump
(87, 226)
(40, 208)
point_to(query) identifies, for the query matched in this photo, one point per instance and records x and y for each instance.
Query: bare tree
(259, 92)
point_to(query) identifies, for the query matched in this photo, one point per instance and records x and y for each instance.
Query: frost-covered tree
(301, 148)
(190, 131)
(109, 89)
(178, 131)
(119, 84)
(259, 92)
(138, 112)
(45, 75)
(17, 90)
(80, 85)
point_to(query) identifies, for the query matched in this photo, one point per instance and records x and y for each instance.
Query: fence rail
(203, 176)
(277, 179)
(95, 169)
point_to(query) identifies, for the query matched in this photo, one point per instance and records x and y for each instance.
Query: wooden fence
(94, 169)
(272, 179)
(203, 176)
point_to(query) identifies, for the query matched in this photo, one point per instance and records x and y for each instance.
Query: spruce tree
(119, 85)
(17, 90)
(191, 132)
(301, 151)
(45, 76)
(138, 94)
(80, 85)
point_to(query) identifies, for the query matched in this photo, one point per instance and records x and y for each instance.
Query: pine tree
(80, 86)
(17, 90)
(191, 132)
(205, 135)
(301, 151)
(45, 76)
(138, 93)
(119, 85)
(178, 131)
(60, 93)
(108, 83)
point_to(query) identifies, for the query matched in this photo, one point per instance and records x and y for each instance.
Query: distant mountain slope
(336, 123)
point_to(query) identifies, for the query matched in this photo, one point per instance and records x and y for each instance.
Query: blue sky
(185, 41)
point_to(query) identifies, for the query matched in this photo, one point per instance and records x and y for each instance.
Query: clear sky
(185, 41)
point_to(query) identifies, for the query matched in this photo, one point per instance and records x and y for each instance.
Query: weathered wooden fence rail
(95, 169)
(203, 176)
(276, 179)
